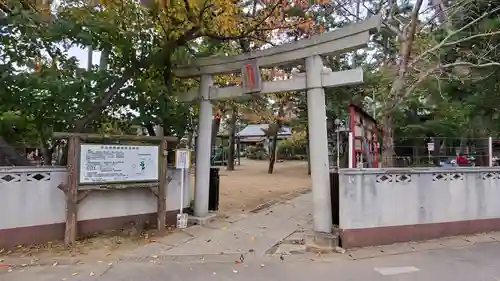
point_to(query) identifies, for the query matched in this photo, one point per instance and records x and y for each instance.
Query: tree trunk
(46, 154)
(151, 130)
(216, 126)
(482, 155)
(436, 157)
(274, 145)
(238, 149)
(398, 85)
(232, 135)
(344, 157)
(415, 154)
(388, 152)
(189, 143)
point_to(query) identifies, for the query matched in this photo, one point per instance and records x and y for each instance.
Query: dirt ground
(250, 185)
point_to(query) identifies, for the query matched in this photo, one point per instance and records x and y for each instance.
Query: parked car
(447, 162)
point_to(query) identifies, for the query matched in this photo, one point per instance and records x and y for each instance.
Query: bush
(256, 153)
(288, 150)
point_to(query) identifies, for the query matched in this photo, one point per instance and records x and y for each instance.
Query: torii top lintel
(348, 38)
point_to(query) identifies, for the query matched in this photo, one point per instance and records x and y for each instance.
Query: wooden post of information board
(162, 187)
(71, 187)
(71, 191)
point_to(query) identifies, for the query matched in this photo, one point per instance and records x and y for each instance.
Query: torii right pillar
(318, 149)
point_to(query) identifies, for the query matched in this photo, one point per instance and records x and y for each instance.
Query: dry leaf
(252, 238)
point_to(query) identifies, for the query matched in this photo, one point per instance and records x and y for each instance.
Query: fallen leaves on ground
(94, 246)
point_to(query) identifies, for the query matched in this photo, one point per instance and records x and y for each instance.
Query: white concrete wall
(29, 196)
(390, 197)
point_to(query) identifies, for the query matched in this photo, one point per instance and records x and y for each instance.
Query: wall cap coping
(423, 170)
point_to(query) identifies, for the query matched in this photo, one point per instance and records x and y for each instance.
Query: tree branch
(246, 33)
(469, 64)
(472, 37)
(450, 35)
(423, 76)
(393, 29)
(96, 109)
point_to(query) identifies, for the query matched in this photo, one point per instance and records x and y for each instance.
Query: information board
(118, 163)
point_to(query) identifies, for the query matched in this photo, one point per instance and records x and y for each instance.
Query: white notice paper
(101, 163)
(182, 159)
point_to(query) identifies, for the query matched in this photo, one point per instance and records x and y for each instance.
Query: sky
(81, 55)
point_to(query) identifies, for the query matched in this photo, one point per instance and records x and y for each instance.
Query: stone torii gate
(314, 80)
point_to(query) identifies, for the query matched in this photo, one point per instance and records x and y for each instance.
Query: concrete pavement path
(478, 262)
(472, 263)
(213, 253)
(252, 233)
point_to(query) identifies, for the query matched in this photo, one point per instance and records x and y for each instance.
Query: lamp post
(337, 123)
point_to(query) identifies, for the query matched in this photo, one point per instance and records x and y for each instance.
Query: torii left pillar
(203, 151)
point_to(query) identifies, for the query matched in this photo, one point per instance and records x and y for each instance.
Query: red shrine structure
(365, 144)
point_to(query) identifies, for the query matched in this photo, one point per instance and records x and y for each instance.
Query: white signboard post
(430, 148)
(114, 163)
(182, 162)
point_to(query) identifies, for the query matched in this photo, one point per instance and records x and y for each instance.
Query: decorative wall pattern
(393, 178)
(490, 175)
(448, 176)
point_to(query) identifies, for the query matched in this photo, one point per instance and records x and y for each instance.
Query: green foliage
(292, 148)
(256, 153)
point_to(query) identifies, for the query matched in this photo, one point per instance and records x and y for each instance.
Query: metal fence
(21, 155)
(432, 152)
